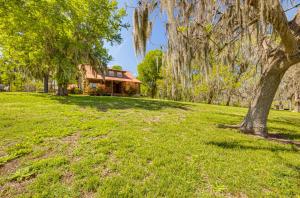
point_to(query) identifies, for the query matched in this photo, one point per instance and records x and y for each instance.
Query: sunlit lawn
(81, 146)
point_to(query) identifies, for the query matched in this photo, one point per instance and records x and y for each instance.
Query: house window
(93, 85)
(119, 74)
(111, 73)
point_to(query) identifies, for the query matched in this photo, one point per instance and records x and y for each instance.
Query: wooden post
(112, 88)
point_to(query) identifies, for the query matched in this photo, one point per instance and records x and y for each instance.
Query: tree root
(225, 126)
(267, 136)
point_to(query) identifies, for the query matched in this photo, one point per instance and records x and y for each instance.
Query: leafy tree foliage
(55, 36)
(117, 67)
(149, 72)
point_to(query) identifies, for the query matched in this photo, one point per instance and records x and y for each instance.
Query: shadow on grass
(275, 132)
(288, 164)
(287, 121)
(105, 103)
(237, 145)
(282, 133)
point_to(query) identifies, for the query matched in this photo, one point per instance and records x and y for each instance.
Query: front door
(117, 87)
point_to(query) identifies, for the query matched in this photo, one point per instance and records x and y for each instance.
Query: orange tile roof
(92, 74)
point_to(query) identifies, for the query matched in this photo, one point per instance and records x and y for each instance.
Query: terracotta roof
(92, 74)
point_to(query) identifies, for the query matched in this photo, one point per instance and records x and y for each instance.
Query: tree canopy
(117, 67)
(149, 71)
(55, 36)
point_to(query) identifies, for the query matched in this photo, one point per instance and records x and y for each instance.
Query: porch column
(112, 88)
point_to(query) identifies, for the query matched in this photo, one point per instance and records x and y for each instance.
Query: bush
(74, 90)
(91, 91)
(77, 91)
(130, 90)
(98, 91)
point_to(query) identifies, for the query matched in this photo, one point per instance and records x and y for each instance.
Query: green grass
(81, 146)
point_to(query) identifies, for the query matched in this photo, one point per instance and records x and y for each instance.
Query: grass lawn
(81, 146)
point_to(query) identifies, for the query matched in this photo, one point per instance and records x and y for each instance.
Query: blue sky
(124, 55)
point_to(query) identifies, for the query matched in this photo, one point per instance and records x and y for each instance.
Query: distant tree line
(223, 85)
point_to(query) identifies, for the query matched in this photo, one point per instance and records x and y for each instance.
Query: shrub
(91, 91)
(98, 91)
(130, 90)
(77, 90)
(74, 90)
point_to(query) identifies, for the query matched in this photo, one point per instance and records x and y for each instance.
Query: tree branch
(276, 17)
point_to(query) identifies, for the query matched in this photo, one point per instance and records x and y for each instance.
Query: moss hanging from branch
(226, 29)
(142, 28)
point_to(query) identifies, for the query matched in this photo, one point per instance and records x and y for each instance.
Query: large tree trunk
(62, 90)
(256, 118)
(228, 98)
(210, 97)
(153, 91)
(46, 82)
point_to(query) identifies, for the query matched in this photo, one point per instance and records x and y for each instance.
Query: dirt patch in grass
(17, 187)
(88, 195)
(99, 137)
(112, 157)
(2, 153)
(9, 167)
(72, 141)
(151, 120)
(107, 172)
(68, 177)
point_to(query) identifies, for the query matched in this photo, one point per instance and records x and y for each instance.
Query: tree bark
(228, 98)
(256, 119)
(210, 97)
(153, 91)
(297, 107)
(297, 102)
(62, 90)
(46, 82)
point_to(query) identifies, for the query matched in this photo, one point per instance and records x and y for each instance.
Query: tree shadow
(282, 133)
(278, 133)
(106, 103)
(290, 121)
(285, 135)
(290, 165)
(287, 121)
(238, 145)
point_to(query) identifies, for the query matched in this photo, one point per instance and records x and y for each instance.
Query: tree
(149, 71)
(289, 88)
(57, 36)
(217, 26)
(117, 67)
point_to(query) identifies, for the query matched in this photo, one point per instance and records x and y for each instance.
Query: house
(114, 82)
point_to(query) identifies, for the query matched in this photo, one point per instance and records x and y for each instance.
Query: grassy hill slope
(81, 146)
